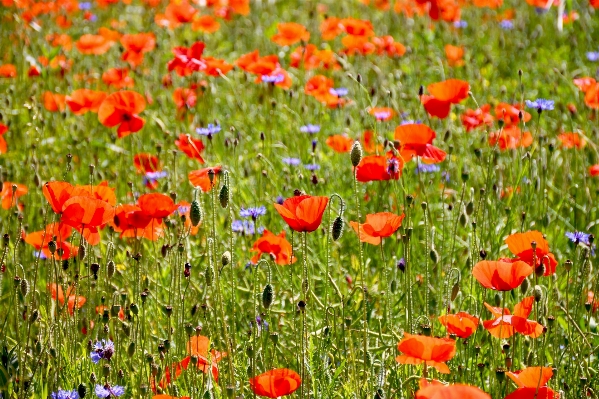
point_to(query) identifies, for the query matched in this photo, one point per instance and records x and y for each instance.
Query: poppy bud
(434, 255)
(126, 329)
(359, 78)
(106, 370)
(356, 153)
(5, 239)
(267, 296)
(24, 287)
(420, 90)
(540, 270)
(301, 306)
(223, 196)
(524, 286)
(568, 265)
(500, 374)
(195, 213)
(337, 228)
(463, 219)
(426, 330)
(168, 310)
(110, 268)
(52, 246)
(537, 293)
(82, 390)
(82, 251)
(455, 290)
(469, 208)
(208, 275)
(114, 310)
(274, 337)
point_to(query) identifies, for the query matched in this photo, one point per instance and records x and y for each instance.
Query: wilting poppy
(303, 212)
(505, 324)
(378, 226)
(340, 143)
(93, 44)
(122, 109)
(415, 139)
(501, 276)
(201, 177)
(274, 245)
(290, 33)
(10, 195)
(275, 383)
(458, 391)
(521, 245)
(191, 147)
(434, 352)
(378, 167)
(461, 324)
(85, 100)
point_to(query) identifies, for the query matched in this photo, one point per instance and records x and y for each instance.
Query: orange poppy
(93, 44)
(10, 197)
(215, 66)
(118, 78)
(290, 33)
(505, 324)
(383, 5)
(205, 23)
(455, 55)
(533, 393)
(510, 137)
(273, 245)
(379, 167)
(357, 27)
(57, 193)
(457, 391)
(146, 163)
(501, 276)
(434, 352)
(571, 140)
(388, 46)
(86, 212)
(135, 46)
(330, 28)
(378, 226)
(8, 71)
(176, 14)
(591, 97)
(473, 118)
(461, 324)
(275, 383)
(510, 114)
(584, 83)
(122, 108)
(520, 244)
(309, 57)
(60, 39)
(54, 102)
(382, 113)
(191, 147)
(493, 4)
(340, 143)
(40, 239)
(303, 212)
(357, 45)
(126, 221)
(82, 101)
(531, 377)
(451, 90)
(201, 178)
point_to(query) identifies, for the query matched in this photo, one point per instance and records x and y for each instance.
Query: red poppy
(303, 212)
(330, 28)
(340, 143)
(369, 142)
(501, 276)
(54, 102)
(533, 393)
(205, 23)
(118, 78)
(378, 167)
(591, 97)
(176, 14)
(275, 383)
(510, 114)
(461, 324)
(594, 170)
(378, 226)
(57, 193)
(191, 147)
(128, 219)
(146, 163)
(471, 119)
(388, 46)
(8, 71)
(416, 140)
(3, 145)
(357, 45)
(40, 239)
(510, 137)
(156, 206)
(434, 352)
(290, 33)
(122, 109)
(505, 324)
(10, 195)
(531, 377)
(201, 178)
(185, 98)
(438, 390)
(187, 60)
(521, 245)
(584, 83)
(135, 46)
(310, 57)
(93, 44)
(357, 27)
(73, 301)
(274, 245)
(84, 100)
(571, 140)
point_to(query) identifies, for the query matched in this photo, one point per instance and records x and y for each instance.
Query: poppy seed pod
(267, 296)
(337, 228)
(110, 268)
(223, 196)
(524, 286)
(195, 213)
(538, 293)
(356, 153)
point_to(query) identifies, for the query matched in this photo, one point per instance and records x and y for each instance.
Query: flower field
(299, 198)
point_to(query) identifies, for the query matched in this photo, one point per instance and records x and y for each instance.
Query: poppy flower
(146, 163)
(531, 377)
(101, 309)
(415, 139)
(435, 107)
(357, 45)
(510, 114)
(571, 140)
(10, 194)
(501, 276)
(340, 143)
(434, 352)
(378, 167)
(386, 45)
(201, 178)
(54, 102)
(330, 28)
(275, 383)
(584, 83)
(176, 14)
(205, 23)
(122, 109)
(455, 55)
(520, 244)
(156, 206)
(594, 170)
(461, 324)
(118, 78)
(457, 391)
(591, 96)
(443, 94)
(57, 193)
(40, 239)
(505, 324)
(8, 71)
(73, 301)
(357, 27)
(471, 119)
(191, 147)
(289, 33)
(93, 44)
(378, 226)
(510, 137)
(82, 101)
(303, 212)
(3, 145)
(382, 113)
(130, 222)
(135, 46)
(274, 245)
(369, 142)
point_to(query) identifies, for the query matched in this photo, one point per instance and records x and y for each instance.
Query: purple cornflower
(274, 79)
(309, 128)
(506, 24)
(85, 5)
(151, 178)
(61, 394)
(401, 264)
(460, 24)
(104, 391)
(593, 56)
(262, 324)
(102, 350)
(410, 122)
(252, 212)
(246, 227)
(579, 237)
(312, 166)
(541, 10)
(541, 104)
(280, 199)
(393, 166)
(339, 92)
(208, 131)
(314, 142)
(183, 209)
(382, 115)
(427, 168)
(292, 161)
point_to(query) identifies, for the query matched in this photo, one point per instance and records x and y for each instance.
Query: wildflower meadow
(299, 198)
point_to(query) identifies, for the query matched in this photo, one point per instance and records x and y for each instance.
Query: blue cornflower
(382, 115)
(151, 178)
(541, 10)
(38, 254)
(93, 18)
(309, 128)
(593, 56)
(411, 122)
(274, 79)
(262, 324)
(579, 237)
(292, 161)
(401, 264)
(183, 209)
(445, 175)
(85, 5)
(427, 168)
(280, 199)
(106, 391)
(246, 227)
(541, 104)
(339, 92)
(312, 166)
(208, 131)
(102, 350)
(393, 166)
(506, 24)
(252, 212)
(460, 24)
(61, 394)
